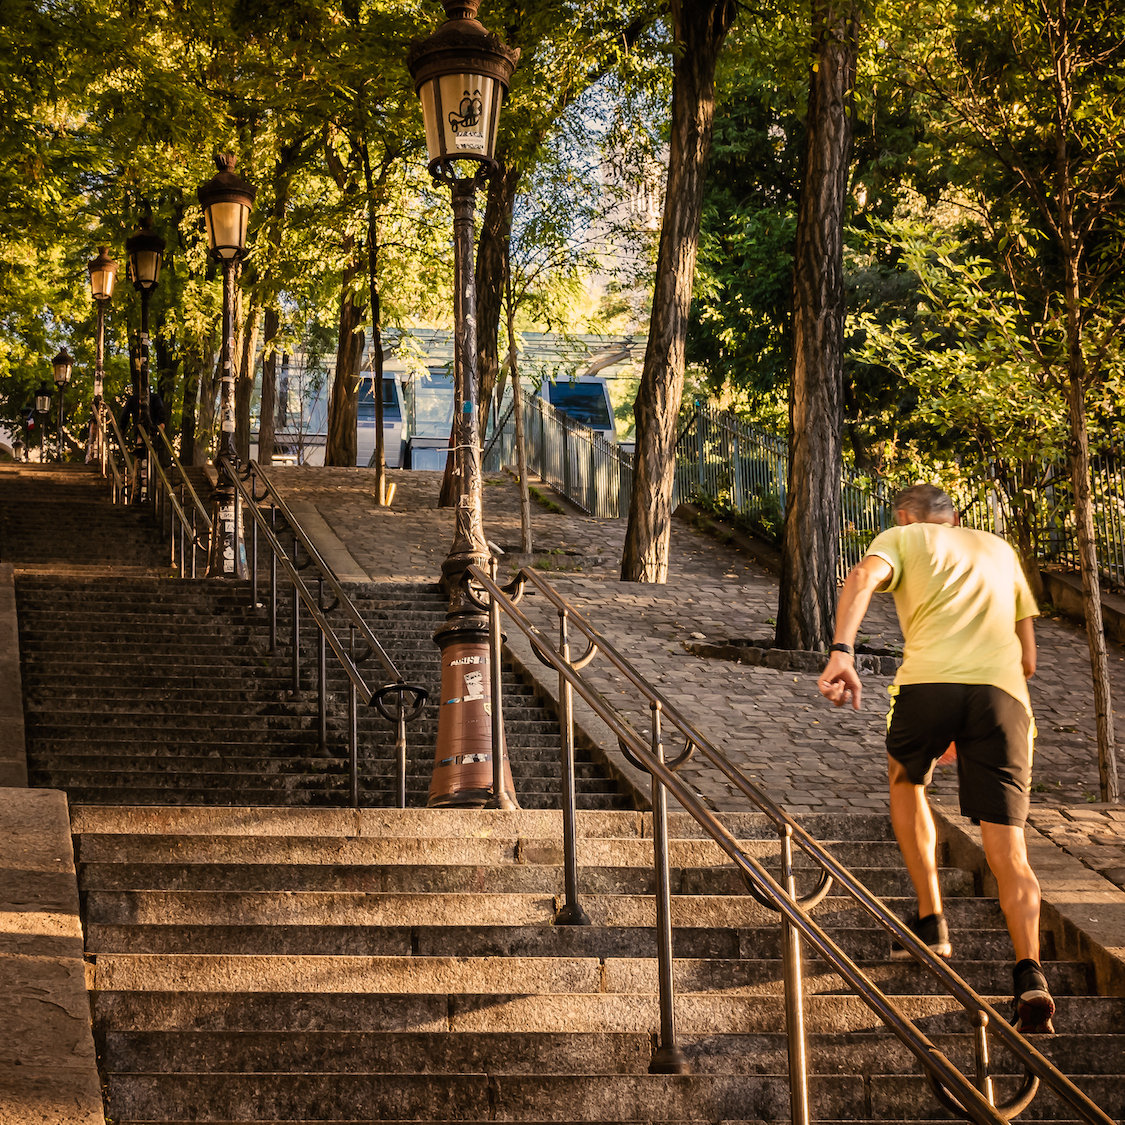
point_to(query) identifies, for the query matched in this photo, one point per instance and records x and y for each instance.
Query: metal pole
(273, 584)
(99, 380)
(667, 1058)
(794, 994)
(224, 558)
(571, 912)
(462, 774)
(322, 674)
(501, 798)
(353, 722)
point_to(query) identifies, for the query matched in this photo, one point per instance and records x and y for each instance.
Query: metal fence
(742, 471)
(577, 462)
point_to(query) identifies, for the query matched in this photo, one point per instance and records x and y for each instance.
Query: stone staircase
(165, 690)
(250, 962)
(260, 965)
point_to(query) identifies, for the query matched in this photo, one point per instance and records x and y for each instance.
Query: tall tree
(1027, 98)
(699, 30)
(807, 598)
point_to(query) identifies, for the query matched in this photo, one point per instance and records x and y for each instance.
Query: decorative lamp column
(461, 73)
(144, 248)
(226, 200)
(42, 413)
(103, 275)
(62, 365)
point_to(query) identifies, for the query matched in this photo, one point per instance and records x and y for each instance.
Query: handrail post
(667, 1058)
(794, 993)
(571, 912)
(273, 583)
(501, 798)
(253, 555)
(321, 674)
(296, 638)
(353, 722)
(400, 751)
(980, 1049)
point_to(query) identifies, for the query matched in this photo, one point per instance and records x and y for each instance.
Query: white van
(393, 429)
(586, 400)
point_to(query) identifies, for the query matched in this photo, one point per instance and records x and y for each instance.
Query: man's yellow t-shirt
(958, 593)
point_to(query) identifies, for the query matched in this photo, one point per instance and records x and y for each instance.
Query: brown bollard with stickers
(462, 776)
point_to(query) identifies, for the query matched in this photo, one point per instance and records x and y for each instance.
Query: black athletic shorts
(993, 733)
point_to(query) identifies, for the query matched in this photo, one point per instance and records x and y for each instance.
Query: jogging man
(967, 620)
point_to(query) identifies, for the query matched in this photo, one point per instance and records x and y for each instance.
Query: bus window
(584, 402)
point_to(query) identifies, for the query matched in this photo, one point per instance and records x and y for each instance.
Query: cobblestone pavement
(770, 721)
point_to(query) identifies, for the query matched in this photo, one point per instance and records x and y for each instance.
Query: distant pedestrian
(967, 620)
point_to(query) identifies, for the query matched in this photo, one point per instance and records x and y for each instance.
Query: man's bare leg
(1017, 886)
(916, 834)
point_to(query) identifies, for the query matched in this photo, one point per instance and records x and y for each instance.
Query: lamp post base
(463, 769)
(224, 557)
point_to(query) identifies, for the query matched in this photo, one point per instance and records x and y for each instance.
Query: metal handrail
(197, 504)
(104, 458)
(182, 529)
(408, 698)
(950, 1085)
(121, 444)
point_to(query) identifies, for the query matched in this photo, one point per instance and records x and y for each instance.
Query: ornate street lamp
(103, 275)
(62, 365)
(226, 200)
(461, 73)
(42, 413)
(144, 249)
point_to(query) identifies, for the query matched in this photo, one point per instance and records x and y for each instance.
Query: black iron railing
(970, 1098)
(396, 700)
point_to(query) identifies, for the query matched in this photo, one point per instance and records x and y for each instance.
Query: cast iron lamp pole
(226, 200)
(103, 274)
(461, 73)
(144, 249)
(42, 413)
(62, 366)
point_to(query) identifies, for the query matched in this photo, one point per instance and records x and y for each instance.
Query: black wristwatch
(838, 647)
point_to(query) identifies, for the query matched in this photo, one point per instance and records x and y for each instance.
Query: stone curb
(13, 751)
(1083, 910)
(48, 1066)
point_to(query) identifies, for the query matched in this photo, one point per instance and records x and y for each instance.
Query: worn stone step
(510, 1097)
(414, 823)
(697, 1013)
(128, 847)
(976, 944)
(866, 1053)
(485, 908)
(474, 975)
(453, 877)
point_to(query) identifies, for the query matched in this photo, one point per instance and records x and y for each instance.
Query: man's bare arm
(1025, 631)
(839, 682)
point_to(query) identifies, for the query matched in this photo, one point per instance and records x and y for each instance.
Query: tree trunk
(492, 262)
(517, 414)
(341, 447)
(244, 383)
(1091, 593)
(267, 410)
(810, 540)
(210, 373)
(380, 454)
(700, 29)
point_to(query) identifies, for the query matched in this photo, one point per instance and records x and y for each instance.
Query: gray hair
(926, 503)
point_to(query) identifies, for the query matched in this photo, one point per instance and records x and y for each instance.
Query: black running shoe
(1032, 1007)
(932, 931)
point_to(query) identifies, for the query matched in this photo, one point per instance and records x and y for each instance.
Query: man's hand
(839, 682)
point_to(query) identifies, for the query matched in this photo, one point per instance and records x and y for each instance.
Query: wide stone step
(128, 847)
(395, 1052)
(348, 1097)
(976, 944)
(453, 878)
(697, 1013)
(429, 823)
(597, 1097)
(472, 909)
(475, 976)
